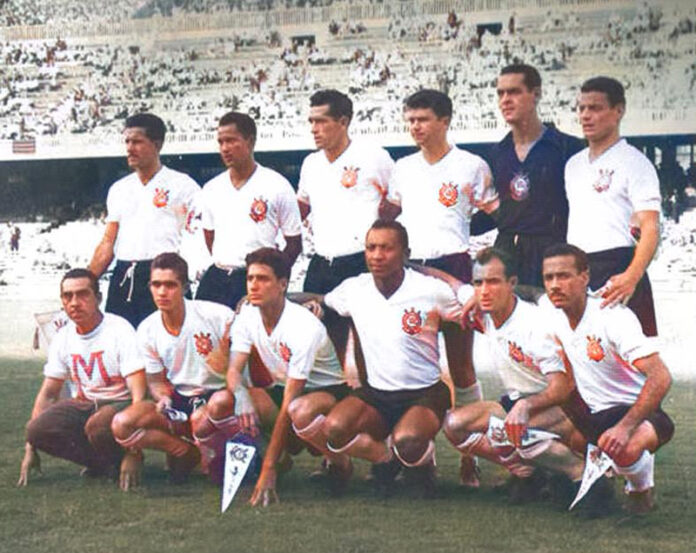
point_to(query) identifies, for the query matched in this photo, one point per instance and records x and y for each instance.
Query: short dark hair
(244, 123)
(607, 85)
(275, 259)
(82, 273)
(339, 104)
(438, 101)
(530, 76)
(382, 224)
(173, 262)
(581, 261)
(153, 126)
(486, 255)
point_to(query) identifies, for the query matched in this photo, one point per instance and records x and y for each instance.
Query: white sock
(640, 475)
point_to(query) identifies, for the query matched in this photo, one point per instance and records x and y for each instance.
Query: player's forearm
(646, 247)
(388, 210)
(158, 390)
(556, 392)
(102, 258)
(293, 248)
(47, 396)
(137, 384)
(654, 390)
(304, 297)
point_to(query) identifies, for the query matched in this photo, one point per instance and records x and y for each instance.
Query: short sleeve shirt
(150, 217)
(98, 362)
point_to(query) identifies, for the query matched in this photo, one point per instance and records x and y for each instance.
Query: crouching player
(532, 370)
(98, 352)
(303, 374)
(185, 345)
(619, 375)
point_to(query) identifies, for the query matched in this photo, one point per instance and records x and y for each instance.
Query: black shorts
(507, 403)
(188, 404)
(527, 251)
(339, 391)
(129, 294)
(592, 425)
(393, 405)
(222, 286)
(608, 263)
(457, 264)
(323, 275)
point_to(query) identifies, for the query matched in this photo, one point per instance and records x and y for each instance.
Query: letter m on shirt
(88, 368)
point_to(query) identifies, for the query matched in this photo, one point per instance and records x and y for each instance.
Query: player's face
(328, 132)
(234, 148)
(426, 128)
(494, 291)
(166, 289)
(516, 102)
(263, 286)
(384, 255)
(141, 152)
(599, 120)
(565, 285)
(80, 302)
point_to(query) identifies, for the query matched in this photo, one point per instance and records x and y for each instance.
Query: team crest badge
(448, 194)
(519, 187)
(204, 345)
(515, 352)
(603, 183)
(594, 348)
(161, 197)
(285, 352)
(259, 209)
(350, 176)
(412, 322)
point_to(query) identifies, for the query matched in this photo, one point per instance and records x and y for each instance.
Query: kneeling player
(533, 373)
(619, 375)
(99, 353)
(185, 344)
(294, 347)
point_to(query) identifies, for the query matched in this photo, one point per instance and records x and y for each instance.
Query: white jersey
(437, 200)
(398, 334)
(344, 195)
(183, 357)
(150, 217)
(97, 363)
(298, 347)
(250, 217)
(604, 193)
(602, 350)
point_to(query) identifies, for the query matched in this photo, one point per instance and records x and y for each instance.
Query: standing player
(98, 352)
(295, 349)
(185, 344)
(146, 212)
(610, 185)
(394, 417)
(243, 209)
(619, 375)
(528, 174)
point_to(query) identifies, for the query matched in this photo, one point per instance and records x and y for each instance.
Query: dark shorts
(457, 264)
(188, 404)
(129, 295)
(607, 263)
(339, 391)
(222, 286)
(527, 251)
(507, 403)
(593, 425)
(323, 275)
(393, 405)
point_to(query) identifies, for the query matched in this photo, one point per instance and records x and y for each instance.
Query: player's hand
(165, 402)
(516, 422)
(218, 359)
(249, 423)
(315, 307)
(489, 205)
(264, 491)
(31, 462)
(614, 440)
(618, 289)
(131, 467)
(472, 316)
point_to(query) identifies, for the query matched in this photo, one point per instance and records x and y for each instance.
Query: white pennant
(498, 435)
(596, 464)
(238, 457)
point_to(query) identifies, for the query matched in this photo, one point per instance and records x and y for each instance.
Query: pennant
(596, 464)
(238, 458)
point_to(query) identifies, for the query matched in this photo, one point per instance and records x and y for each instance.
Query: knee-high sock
(366, 447)
(640, 475)
(153, 438)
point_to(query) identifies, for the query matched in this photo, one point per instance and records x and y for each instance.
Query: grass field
(62, 512)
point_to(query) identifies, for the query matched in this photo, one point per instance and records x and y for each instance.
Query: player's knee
(336, 429)
(122, 425)
(220, 405)
(98, 426)
(301, 412)
(35, 432)
(453, 428)
(410, 447)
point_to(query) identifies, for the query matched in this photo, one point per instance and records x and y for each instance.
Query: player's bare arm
(104, 252)
(305, 209)
(265, 492)
(388, 210)
(160, 390)
(209, 237)
(137, 385)
(243, 404)
(293, 248)
(218, 360)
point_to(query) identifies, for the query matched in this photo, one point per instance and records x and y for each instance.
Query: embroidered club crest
(519, 187)
(603, 182)
(285, 352)
(204, 345)
(515, 352)
(448, 194)
(594, 348)
(161, 197)
(349, 178)
(412, 322)
(259, 209)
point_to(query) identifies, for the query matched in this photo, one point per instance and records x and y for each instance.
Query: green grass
(62, 512)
